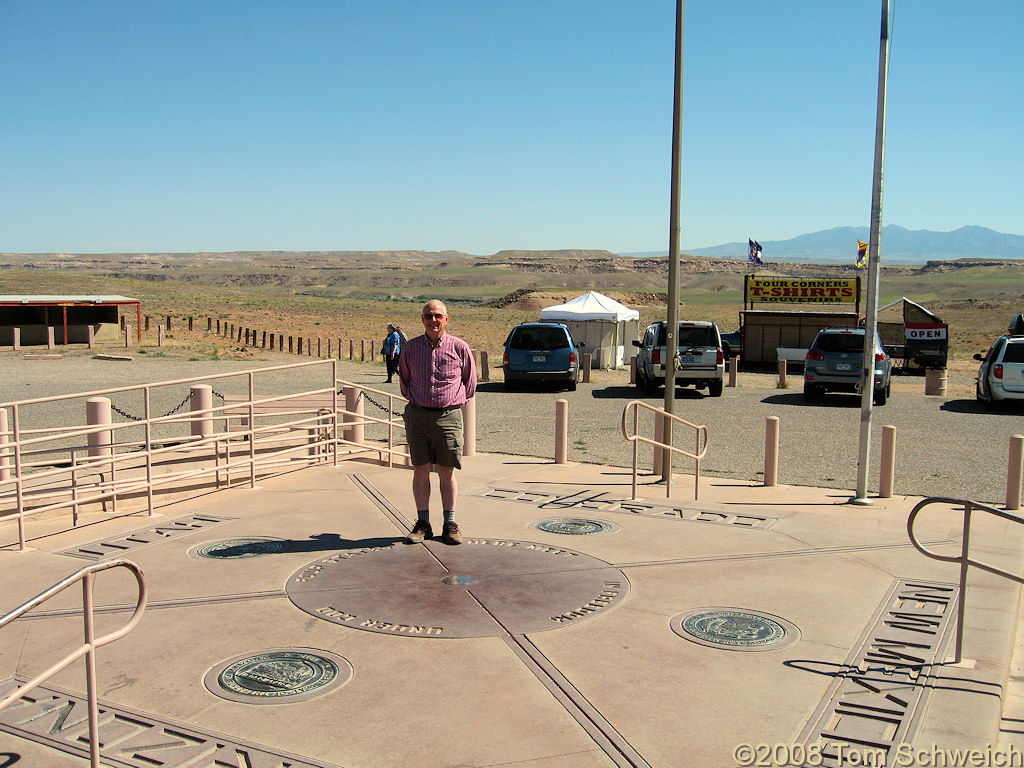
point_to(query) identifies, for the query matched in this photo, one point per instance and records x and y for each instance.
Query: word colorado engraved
(602, 502)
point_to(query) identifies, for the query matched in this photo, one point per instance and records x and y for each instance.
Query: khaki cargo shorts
(435, 435)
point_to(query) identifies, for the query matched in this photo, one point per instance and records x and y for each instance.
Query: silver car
(1001, 375)
(835, 360)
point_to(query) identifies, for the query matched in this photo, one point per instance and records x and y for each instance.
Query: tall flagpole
(871, 309)
(671, 342)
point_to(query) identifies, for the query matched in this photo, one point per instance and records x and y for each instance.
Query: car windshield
(1014, 353)
(840, 342)
(691, 336)
(536, 337)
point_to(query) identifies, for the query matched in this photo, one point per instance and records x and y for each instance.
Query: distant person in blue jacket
(391, 348)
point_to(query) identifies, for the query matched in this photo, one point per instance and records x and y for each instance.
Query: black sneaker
(419, 532)
(451, 534)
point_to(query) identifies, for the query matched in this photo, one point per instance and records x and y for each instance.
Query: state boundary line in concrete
(184, 602)
(604, 734)
(378, 499)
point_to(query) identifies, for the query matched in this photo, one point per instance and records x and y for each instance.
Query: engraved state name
(344, 617)
(611, 592)
(602, 502)
(888, 677)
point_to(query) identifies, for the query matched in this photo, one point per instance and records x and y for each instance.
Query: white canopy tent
(604, 325)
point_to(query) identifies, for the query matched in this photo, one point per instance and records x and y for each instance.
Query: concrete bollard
(50, 343)
(734, 363)
(16, 338)
(587, 359)
(469, 427)
(127, 335)
(202, 400)
(159, 335)
(5, 460)
(1015, 472)
(659, 436)
(561, 431)
(887, 467)
(771, 451)
(90, 335)
(353, 413)
(782, 374)
(485, 371)
(97, 414)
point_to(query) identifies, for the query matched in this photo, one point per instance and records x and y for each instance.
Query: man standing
(390, 349)
(437, 374)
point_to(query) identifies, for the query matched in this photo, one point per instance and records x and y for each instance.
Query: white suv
(1001, 375)
(700, 361)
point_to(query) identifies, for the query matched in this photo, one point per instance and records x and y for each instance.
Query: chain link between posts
(175, 409)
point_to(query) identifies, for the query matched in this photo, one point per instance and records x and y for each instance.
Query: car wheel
(811, 392)
(882, 396)
(511, 386)
(715, 388)
(572, 385)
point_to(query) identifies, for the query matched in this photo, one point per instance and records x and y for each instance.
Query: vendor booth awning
(604, 325)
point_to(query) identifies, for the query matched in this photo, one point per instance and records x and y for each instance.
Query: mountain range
(899, 246)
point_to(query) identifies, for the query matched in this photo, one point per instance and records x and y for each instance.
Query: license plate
(844, 367)
(688, 359)
(539, 358)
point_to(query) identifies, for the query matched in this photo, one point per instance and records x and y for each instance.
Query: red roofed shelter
(69, 316)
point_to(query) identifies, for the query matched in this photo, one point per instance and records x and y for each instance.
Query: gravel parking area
(946, 446)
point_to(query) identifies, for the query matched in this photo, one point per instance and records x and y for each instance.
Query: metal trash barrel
(935, 381)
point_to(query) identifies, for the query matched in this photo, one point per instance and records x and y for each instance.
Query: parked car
(700, 361)
(732, 343)
(1016, 325)
(1001, 375)
(835, 360)
(541, 353)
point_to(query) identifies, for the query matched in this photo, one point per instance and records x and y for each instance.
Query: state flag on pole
(862, 255)
(755, 253)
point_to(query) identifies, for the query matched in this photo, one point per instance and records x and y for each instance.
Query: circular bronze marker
(735, 629)
(483, 588)
(277, 676)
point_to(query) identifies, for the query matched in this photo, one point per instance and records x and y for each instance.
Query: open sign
(925, 331)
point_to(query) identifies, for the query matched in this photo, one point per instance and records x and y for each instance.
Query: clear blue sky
(482, 125)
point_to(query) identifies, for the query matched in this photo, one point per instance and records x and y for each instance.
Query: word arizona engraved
(602, 502)
(131, 738)
(607, 597)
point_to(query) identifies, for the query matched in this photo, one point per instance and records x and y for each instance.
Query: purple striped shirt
(437, 376)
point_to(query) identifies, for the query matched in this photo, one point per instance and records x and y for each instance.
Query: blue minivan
(541, 353)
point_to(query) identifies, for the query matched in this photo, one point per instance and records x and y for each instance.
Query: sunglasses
(433, 315)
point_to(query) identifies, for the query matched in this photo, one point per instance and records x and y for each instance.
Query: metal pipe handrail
(964, 558)
(134, 456)
(700, 434)
(88, 648)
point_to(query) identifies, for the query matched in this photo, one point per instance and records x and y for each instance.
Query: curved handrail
(700, 432)
(964, 558)
(88, 648)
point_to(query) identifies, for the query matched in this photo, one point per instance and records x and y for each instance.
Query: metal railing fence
(88, 647)
(700, 435)
(47, 469)
(964, 558)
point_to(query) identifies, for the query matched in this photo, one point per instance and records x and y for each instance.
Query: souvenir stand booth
(604, 325)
